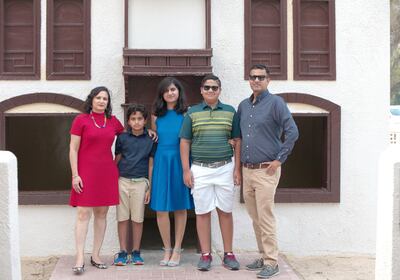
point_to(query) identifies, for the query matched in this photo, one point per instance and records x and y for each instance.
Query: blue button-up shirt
(262, 124)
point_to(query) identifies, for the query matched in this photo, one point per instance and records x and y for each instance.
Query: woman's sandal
(165, 262)
(98, 265)
(79, 269)
(175, 263)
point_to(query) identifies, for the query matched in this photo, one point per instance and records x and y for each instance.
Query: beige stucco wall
(361, 89)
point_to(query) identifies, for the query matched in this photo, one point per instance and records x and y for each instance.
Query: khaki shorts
(131, 199)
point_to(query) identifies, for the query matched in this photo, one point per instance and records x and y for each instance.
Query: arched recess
(319, 128)
(27, 109)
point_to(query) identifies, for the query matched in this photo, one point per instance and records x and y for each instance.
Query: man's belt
(214, 164)
(255, 165)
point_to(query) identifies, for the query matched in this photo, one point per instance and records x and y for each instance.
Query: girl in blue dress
(168, 192)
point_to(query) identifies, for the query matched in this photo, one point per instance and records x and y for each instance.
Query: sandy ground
(333, 267)
(38, 268)
(310, 268)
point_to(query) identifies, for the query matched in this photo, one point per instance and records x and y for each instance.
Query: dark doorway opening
(143, 89)
(306, 166)
(151, 239)
(41, 144)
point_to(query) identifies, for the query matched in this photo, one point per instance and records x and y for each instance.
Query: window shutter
(68, 40)
(265, 36)
(19, 39)
(314, 40)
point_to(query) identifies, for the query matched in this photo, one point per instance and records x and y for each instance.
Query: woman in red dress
(94, 173)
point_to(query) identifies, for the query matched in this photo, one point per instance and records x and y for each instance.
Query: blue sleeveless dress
(168, 192)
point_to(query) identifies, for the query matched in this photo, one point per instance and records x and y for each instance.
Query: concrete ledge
(10, 265)
(388, 230)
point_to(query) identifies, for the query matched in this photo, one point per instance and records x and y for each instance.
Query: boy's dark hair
(211, 77)
(160, 106)
(132, 109)
(260, 66)
(87, 106)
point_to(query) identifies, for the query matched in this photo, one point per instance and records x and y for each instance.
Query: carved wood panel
(314, 45)
(19, 39)
(68, 42)
(265, 36)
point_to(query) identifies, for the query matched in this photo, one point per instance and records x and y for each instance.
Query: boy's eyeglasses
(207, 88)
(255, 77)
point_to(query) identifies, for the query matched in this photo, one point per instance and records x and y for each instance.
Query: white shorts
(213, 187)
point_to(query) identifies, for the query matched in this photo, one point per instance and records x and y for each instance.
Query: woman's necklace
(95, 123)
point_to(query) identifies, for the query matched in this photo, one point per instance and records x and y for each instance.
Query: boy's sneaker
(268, 271)
(121, 258)
(204, 263)
(136, 258)
(257, 264)
(230, 261)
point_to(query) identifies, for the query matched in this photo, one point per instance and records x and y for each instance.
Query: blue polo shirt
(135, 153)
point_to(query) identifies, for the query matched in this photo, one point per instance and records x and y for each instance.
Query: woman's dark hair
(132, 109)
(89, 101)
(160, 106)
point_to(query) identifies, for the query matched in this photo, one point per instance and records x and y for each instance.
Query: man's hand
(237, 177)
(188, 178)
(273, 166)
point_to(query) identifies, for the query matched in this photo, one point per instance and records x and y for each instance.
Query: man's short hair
(211, 77)
(260, 66)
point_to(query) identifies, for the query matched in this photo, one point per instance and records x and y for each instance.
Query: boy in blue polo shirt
(134, 152)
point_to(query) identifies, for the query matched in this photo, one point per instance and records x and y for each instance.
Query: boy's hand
(188, 178)
(147, 197)
(237, 177)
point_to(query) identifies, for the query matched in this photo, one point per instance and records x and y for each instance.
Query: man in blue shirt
(264, 118)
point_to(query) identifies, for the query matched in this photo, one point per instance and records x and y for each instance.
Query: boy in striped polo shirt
(205, 132)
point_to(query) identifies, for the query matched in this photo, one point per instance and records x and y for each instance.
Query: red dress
(96, 166)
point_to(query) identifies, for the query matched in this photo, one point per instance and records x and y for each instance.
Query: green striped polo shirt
(209, 130)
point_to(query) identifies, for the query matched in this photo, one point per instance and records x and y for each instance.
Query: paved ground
(152, 271)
